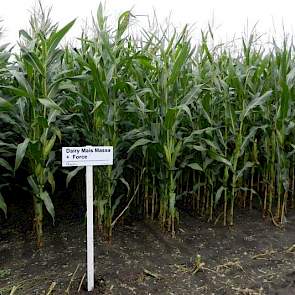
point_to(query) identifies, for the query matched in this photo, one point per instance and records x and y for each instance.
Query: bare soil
(252, 257)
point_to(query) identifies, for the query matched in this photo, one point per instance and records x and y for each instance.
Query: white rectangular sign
(87, 156)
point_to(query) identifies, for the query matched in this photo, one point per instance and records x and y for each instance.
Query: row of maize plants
(195, 126)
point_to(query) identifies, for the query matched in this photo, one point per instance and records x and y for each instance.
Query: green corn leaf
(23, 82)
(280, 137)
(33, 185)
(218, 194)
(34, 60)
(284, 103)
(123, 23)
(96, 106)
(292, 152)
(170, 118)
(116, 204)
(291, 78)
(57, 132)
(194, 135)
(250, 136)
(191, 95)
(202, 131)
(195, 166)
(176, 153)
(101, 205)
(199, 148)
(5, 165)
(205, 113)
(220, 159)
(56, 37)
(290, 127)
(246, 166)
(19, 92)
(168, 155)
(179, 62)
(20, 153)
(40, 121)
(100, 17)
(139, 142)
(123, 180)
(49, 103)
(212, 144)
(221, 139)
(207, 162)
(44, 196)
(186, 109)
(3, 205)
(71, 174)
(5, 105)
(205, 48)
(51, 180)
(25, 35)
(246, 189)
(48, 146)
(258, 101)
(98, 82)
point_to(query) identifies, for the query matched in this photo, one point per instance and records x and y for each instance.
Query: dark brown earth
(252, 257)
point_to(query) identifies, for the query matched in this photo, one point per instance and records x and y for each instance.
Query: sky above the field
(229, 18)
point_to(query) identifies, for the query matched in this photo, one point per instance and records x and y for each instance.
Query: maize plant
(98, 68)
(37, 94)
(162, 106)
(7, 146)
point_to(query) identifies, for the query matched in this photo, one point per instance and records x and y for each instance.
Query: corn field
(196, 127)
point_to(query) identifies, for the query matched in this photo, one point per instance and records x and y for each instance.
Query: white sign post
(88, 156)
(90, 231)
